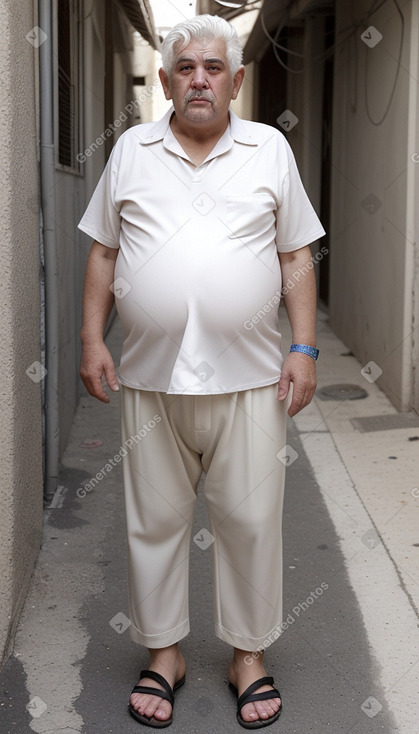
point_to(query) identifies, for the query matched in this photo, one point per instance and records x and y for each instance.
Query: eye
(185, 67)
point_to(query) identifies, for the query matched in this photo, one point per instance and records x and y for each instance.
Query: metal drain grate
(386, 422)
(342, 392)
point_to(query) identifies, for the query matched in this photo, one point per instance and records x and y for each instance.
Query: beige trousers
(234, 438)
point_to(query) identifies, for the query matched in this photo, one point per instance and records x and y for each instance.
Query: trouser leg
(244, 489)
(161, 474)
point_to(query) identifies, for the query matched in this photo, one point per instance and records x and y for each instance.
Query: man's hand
(300, 370)
(96, 361)
(300, 303)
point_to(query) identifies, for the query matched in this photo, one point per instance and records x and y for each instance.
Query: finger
(295, 407)
(298, 402)
(283, 386)
(302, 399)
(95, 388)
(111, 378)
(99, 393)
(102, 396)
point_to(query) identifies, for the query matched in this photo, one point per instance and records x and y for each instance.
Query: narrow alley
(347, 659)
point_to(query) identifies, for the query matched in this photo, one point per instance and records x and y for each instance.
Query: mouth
(199, 100)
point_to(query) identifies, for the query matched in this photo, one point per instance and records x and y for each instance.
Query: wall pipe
(47, 156)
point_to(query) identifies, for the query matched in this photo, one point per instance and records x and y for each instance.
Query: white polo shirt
(197, 277)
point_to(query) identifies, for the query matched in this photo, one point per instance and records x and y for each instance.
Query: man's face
(200, 83)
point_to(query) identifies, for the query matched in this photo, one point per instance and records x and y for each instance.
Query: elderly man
(195, 219)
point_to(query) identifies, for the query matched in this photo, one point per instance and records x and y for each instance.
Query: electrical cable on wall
(379, 122)
(276, 45)
(273, 39)
(354, 28)
(230, 12)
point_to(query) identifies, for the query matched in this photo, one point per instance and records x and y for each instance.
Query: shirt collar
(239, 131)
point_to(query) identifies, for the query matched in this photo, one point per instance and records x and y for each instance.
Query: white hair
(198, 28)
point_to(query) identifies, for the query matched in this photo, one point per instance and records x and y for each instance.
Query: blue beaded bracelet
(311, 351)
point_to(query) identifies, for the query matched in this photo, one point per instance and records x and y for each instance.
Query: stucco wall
(20, 425)
(70, 202)
(73, 192)
(371, 289)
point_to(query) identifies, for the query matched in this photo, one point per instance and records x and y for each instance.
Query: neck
(199, 133)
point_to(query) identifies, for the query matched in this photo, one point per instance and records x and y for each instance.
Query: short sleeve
(297, 222)
(101, 219)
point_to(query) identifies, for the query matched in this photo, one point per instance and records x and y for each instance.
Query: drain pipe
(50, 253)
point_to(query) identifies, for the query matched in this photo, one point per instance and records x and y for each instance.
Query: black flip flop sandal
(167, 694)
(248, 697)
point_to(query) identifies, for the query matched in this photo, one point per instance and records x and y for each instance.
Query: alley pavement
(347, 660)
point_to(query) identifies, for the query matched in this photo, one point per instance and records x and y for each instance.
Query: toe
(265, 709)
(260, 709)
(163, 711)
(157, 708)
(249, 713)
(151, 706)
(136, 701)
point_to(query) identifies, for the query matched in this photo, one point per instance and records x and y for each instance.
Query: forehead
(201, 49)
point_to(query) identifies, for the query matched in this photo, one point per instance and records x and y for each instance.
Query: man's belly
(199, 317)
(222, 291)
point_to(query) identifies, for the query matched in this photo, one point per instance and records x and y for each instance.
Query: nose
(199, 80)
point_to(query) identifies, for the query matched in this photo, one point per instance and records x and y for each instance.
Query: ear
(237, 82)
(165, 84)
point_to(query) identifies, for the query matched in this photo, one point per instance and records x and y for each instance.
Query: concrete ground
(347, 663)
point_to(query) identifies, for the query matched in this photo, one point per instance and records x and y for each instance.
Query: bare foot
(242, 675)
(170, 663)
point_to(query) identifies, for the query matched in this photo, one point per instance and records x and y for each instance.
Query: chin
(200, 115)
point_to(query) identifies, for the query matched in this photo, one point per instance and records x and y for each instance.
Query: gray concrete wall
(21, 483)
(373, 245)
(70, 201)
(72, 192)
(20, 425)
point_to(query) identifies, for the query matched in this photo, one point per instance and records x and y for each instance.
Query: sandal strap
(152, 692)
(169, 696)
(263, 696)
(248, 695)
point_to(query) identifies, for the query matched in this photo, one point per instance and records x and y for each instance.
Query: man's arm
(300, 303)
(96, 359)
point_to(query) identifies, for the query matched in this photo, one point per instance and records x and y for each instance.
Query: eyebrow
(215, 60)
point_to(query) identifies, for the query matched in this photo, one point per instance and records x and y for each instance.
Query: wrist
(89, 339)
(305, 349)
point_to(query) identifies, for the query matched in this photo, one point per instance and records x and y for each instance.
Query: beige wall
(20, 425)
(146, 62)
(244, 105)
(74, 191)
(374, 217)
(372, 287)
(21, 483)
